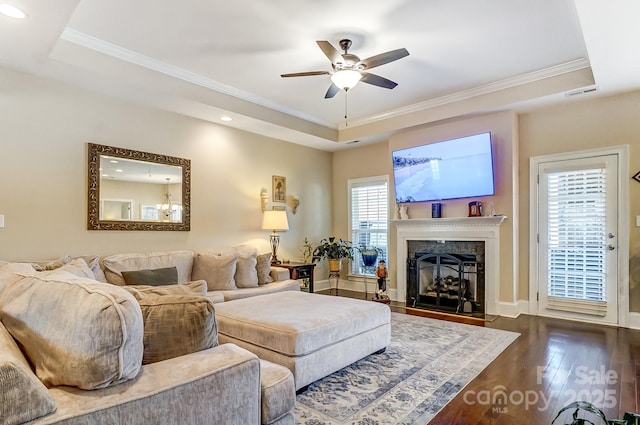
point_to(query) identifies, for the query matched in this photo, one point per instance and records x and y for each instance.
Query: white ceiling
(209, 59)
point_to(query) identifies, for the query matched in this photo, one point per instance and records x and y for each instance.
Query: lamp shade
(275, 220)
(346, 78)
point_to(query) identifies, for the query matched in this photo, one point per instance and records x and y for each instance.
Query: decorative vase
(369, 257)
(334, 265)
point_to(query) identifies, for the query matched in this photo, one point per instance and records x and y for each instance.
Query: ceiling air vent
(581, 91)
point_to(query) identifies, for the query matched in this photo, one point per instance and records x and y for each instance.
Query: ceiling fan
(348, 69)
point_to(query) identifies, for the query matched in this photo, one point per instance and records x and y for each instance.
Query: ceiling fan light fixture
(346, 79)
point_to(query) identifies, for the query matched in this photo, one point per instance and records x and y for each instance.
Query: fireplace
(474, 241)
(446, 276)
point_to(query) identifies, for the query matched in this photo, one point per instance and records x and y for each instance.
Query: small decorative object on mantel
(279, 184)
(404, 214)
(636, 177)
(475, 209)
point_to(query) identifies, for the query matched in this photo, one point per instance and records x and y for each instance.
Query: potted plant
(369, 255)
(334, 251)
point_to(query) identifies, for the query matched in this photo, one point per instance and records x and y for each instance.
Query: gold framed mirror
(133, 190)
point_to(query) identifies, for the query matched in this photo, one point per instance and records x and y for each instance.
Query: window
(368, 218)
(577, 239)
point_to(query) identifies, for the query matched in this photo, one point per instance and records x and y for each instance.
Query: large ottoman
(311, 334)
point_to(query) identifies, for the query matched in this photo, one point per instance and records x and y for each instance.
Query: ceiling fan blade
(377, 80)
(333, 89)
(383, 58)
(331, 52)
(305, 74)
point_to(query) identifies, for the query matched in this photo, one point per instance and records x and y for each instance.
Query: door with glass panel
(577, 239)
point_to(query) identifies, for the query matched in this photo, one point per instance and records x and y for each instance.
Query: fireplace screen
(452, 282)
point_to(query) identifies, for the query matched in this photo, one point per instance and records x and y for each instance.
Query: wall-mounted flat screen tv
(451, 169)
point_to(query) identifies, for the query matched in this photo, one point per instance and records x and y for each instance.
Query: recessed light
(113, 161)
(119, 170)
(226, 118)
(12, 11)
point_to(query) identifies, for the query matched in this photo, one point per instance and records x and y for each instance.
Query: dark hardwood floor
(553, 363)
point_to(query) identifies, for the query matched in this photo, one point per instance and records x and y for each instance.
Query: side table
(299, 271)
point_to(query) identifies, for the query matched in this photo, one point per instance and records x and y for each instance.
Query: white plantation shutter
(369, 217)
(577, 241)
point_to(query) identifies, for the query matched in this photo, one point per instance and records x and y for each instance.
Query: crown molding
(147, 62)
(463, 95)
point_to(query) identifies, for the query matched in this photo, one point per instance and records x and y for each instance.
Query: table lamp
(275, 221)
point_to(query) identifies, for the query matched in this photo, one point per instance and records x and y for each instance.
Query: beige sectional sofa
(78, 345)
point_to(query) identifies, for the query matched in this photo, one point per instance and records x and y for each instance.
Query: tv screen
(458, 168)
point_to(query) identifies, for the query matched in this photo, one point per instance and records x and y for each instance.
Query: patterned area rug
(427, 363)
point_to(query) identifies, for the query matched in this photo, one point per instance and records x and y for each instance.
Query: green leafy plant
(333, 249)
(306, 251)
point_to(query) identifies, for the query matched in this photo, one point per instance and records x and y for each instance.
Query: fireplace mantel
(486, 229)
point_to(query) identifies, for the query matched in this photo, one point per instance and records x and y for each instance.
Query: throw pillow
(175, 325)
(246, 274)
(22, 396)
(93, 261)
(77, 267)
(263, 267)
(155, 277)
(74, 331)
(12, 272)
(115, 264)
(42, 266)
(217, 270)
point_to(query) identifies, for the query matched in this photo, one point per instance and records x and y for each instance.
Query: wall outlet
(1, 221)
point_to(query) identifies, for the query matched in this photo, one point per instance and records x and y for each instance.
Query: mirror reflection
(132, 190)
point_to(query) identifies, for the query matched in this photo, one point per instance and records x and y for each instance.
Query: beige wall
(44, 129)
(579, 125)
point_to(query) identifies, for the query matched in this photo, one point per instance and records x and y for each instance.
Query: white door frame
(623, 224)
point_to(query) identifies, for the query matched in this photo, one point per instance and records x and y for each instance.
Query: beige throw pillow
(217, 270)
(22, 396)
(175, 325)
(263, 268)
(246, 274)
(115, 264)
(74, 331)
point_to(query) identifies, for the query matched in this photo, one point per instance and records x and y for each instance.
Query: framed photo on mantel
(279, 188)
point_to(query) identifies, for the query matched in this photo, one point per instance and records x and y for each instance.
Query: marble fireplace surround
(484, 229)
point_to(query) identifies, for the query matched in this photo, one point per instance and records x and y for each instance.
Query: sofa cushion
(263, 268)
(22, 396)
(77, 267)
(195, 287)
(114, 265)
(278, 391)
(155, 277)
(74, 331)
(10, 272)
(93, 262)
(218, 270)
(175, 325)
(51, 264)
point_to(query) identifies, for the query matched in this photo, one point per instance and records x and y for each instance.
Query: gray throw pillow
(155, 277)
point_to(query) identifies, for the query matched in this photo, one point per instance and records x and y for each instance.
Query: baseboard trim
(634, 320)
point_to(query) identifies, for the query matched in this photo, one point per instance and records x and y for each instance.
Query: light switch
(638, 221)
(1, 220)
